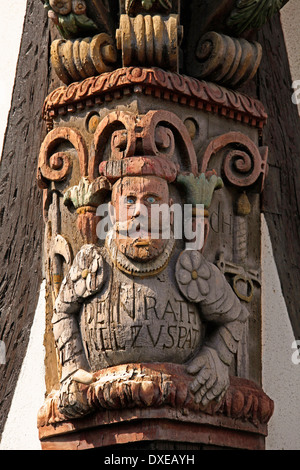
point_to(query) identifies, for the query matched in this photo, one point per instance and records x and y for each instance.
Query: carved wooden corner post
(157, 337)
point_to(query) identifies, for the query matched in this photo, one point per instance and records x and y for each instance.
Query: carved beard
(141, 248)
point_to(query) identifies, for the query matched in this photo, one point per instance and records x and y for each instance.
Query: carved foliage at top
(70, 17)
(252, 14)
(150, 34)
(132, 6)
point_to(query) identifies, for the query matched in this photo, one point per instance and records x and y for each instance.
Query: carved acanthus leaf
(252, 14)
(70, 18)
(200, 189)
(147, 4)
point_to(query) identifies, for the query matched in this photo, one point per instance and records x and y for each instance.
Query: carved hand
(72, 401)
(212, 376)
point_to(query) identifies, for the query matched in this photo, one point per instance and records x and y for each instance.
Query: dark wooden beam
(21, 225)
(281, 202)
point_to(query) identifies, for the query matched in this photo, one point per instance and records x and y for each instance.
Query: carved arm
(85, 278)
(203, 283)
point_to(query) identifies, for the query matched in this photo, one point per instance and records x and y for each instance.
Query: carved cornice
(158, 84)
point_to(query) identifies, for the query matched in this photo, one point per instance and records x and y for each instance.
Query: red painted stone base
(131, 426)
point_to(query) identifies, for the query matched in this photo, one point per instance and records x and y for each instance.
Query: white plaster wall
(281, 377)
(290, 20)
(11, 26)
(20, 431)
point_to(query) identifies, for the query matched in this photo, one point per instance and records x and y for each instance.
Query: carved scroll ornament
(54, 166)
(156, 131)
(244, 164)
(82, 58)
(228, 61)
(150, 40)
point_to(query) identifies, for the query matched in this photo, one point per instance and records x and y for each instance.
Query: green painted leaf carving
(252, 14)
(147, 4)
(72, 25)
(200, 189)
(167, 4)
(86, 193)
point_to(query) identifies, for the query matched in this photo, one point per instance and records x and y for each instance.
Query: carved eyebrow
(152, 194)
(131, 194)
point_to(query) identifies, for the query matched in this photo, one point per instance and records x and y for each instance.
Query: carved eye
(130, 200)
(78, 7)
(62, 7)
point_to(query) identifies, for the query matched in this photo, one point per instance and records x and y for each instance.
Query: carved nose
(137, 209)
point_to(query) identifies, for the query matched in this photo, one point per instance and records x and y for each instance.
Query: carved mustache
(140, 226)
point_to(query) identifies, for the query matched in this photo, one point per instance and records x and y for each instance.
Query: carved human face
(138, 236)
